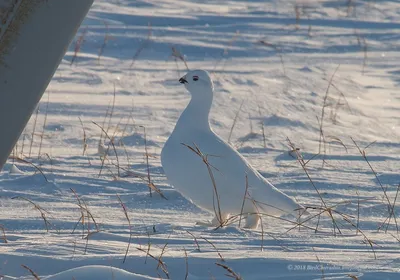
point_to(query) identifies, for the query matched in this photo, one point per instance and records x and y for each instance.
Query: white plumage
(188, 173)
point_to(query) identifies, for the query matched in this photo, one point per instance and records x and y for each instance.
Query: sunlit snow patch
(99, 272)
(15, 170)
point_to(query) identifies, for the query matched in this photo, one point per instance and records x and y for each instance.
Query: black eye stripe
(195, 78)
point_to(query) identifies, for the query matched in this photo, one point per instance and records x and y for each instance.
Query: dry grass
(4, 238)
(111, 142)
(262, 127)
(149, 182)
(322, 140)
(31, 272)
(84, 142)
(177, 55)
(142, 46)
(34, 130)
(129, 224)
(43, 212)
(195, 240)
(215, 248)
(107, 38)
(44, 125)
(277, 49)
(234, 121)
(85, 217)
(204, 158)
(230, 273)
(78, 45)
(225, 51)
(186, 265)
(160, 263)
(18, 159)
(246, 194)
(391, 211)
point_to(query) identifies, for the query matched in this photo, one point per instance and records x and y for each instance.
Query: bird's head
(197, 82)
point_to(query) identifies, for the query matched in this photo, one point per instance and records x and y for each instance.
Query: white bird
(210, 172)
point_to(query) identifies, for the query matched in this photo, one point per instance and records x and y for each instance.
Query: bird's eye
(195, 78)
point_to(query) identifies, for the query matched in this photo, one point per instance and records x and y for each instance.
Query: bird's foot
(252, 221)
(216, 222)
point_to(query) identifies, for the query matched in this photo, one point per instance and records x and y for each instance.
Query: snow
(242, 44)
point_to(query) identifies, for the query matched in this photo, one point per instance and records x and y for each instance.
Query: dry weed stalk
(42, 211)
(177, 55)
(335, 109)
(320, 264)
(225, 51)
(393, 206)
(146, 153)
(384, 190)
(104, 122)
(353, 276)
(234, 218)
(4, 238)
(32, 164)
(262, 127)
(160, 263)
(261, 223)
(231, 273)
(84, 142)
(278, 50)
(346, 218)
(121, 142)
(31, 272)
(301, 161)
(350, 7)
(161, 255)
(215, 248)
(34, 129)
(150, 184)
(129, 223)
(44, 125)
(78, 44)
(23, 143)
(309, 30)
(186, 264)
(358, 209)
(298, 15)
(112, 144)
(322, 139)
(337, 140)
(362, 42)
(235, 120)
(204, 158)
(244, 200)
(142, 46)
(112, 108)
(14, 152)
(107, 38)
(195, 240)
(251, 124)
(85, 212)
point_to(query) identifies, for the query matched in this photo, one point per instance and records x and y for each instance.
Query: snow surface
(258, 54)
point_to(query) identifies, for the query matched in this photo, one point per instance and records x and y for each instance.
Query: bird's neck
(197, 112)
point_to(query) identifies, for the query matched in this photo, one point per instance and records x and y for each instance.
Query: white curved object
(188, 173)
(98, 272)
(34, 37)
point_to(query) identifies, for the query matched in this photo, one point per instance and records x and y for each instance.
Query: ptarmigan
(193, 140)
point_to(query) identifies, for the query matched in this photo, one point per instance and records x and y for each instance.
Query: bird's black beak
(183, 80)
